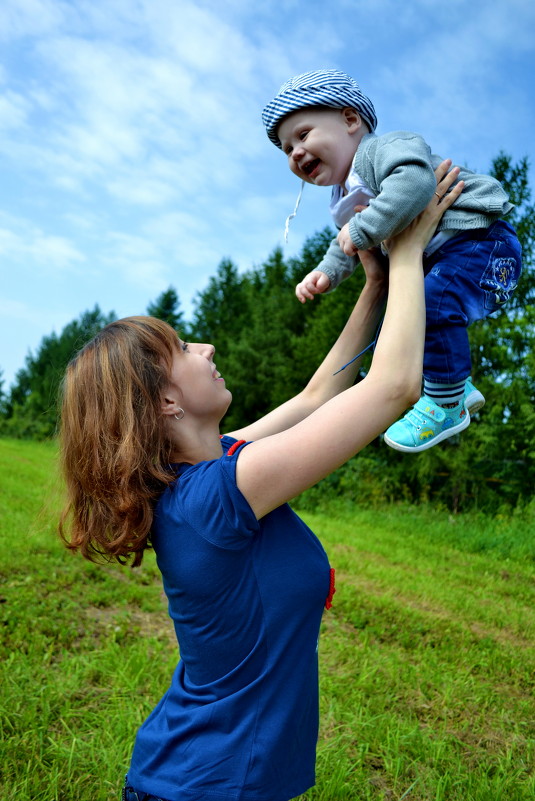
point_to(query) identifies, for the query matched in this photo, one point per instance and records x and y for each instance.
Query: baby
(325, 125)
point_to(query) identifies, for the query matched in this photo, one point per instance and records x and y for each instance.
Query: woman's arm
(275, 469)
(356, 335)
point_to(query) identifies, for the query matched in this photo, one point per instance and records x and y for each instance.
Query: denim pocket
(500, 277)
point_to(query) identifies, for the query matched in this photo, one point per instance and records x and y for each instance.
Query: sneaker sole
(474, 401)
(449, 432)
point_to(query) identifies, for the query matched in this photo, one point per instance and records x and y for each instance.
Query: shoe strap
(429, 410)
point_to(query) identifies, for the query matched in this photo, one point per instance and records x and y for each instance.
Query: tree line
(268, 345)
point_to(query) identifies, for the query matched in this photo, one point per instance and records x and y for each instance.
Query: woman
(246, 580)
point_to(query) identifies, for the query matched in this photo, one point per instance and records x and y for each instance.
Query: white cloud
(14, 110)
(176, 80)
(133, 152)
(17, 310)
(44, 251)
(455, 84)
(22, 18)
(55, 251)
(133, 259)
(145, 190)
(189, 241)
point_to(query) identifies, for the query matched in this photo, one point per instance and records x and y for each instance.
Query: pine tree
(220, 309)
(3, 397)
(31, 407)
(167, 307)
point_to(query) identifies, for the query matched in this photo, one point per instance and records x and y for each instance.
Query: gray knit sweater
(399, 168)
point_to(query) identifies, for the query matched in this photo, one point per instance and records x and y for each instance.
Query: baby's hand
(345, 241)
(374, 265)
(315, 283)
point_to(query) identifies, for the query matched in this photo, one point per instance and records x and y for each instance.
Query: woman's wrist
(405, 252)
(376, 286)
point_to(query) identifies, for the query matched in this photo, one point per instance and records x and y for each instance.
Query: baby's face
(320, 143)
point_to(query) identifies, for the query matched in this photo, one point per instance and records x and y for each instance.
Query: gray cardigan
(399, 168)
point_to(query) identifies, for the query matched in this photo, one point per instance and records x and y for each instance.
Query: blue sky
(133, 155)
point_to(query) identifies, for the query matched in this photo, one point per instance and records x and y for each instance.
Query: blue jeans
(471, 276)
(129, 794)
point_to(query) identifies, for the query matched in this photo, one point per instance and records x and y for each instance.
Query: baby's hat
(320, 88)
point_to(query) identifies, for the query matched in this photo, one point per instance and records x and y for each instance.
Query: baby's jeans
(471, 276)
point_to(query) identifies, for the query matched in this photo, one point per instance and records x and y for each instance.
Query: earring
(180, 415)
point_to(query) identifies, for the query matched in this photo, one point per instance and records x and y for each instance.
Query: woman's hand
(419, 232)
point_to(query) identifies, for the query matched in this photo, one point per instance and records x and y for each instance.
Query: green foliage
(221, 309)
(3, 397)
(514, 178)
(167, 307)
(31, 408)
(268, 345)
(30, 411)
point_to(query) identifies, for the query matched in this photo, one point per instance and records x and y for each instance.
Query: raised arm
(275, 469)
(357, 334)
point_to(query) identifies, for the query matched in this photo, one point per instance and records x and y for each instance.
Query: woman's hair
(114, 449)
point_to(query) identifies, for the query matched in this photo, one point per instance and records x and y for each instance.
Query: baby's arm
(335, 267)
(398, 168)
(318, 281)
(345, 241)
(315, 283)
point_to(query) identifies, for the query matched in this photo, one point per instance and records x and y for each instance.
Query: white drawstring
(294, 212)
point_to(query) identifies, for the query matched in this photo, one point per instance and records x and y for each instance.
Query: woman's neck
(193, 448)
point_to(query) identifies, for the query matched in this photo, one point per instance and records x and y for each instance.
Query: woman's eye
(184, 346)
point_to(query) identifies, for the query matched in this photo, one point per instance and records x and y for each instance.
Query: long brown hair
(114, 450)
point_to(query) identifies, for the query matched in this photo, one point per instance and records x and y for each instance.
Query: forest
(268, 345)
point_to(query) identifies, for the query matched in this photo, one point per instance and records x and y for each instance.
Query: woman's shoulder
(205, 497)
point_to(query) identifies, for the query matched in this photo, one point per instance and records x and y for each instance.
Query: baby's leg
(469, 278)
(472, 276)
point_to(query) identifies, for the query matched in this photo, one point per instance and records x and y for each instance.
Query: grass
(427, 656)
(428, 664)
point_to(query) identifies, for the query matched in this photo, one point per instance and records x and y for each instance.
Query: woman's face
(201, 388)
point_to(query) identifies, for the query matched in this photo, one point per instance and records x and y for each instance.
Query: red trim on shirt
(233, 448)
(332, 590)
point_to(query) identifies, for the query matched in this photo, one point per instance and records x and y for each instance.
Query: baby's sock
(448, 395)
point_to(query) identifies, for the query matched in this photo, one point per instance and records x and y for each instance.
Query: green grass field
(427, 656)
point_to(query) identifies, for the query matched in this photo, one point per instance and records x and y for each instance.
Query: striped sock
(444, 394)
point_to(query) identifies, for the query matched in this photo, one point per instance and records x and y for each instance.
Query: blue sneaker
(425, 425)
(474, 400)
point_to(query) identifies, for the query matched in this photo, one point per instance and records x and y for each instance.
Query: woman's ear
(170, 402)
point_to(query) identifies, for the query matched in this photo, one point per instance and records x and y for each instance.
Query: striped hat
(320, 88)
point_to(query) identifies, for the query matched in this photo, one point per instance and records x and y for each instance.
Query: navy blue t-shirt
(240, 719)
